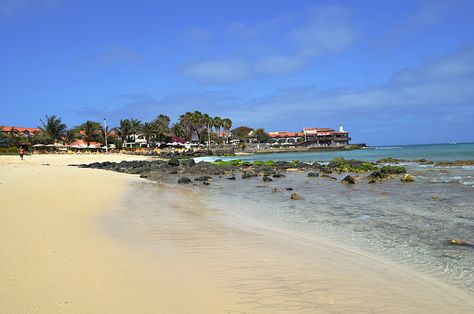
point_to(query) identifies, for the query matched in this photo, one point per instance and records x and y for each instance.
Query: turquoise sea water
(409, 223)
(433, 152)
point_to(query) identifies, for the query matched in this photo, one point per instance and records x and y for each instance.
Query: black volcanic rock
(174, 162)
(267, 179)
(184, 180)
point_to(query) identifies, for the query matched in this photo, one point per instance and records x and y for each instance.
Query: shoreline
(261, 264)
(56, 257)
(60, 258)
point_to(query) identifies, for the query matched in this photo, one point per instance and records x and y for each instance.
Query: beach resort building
(311, 137)
(19, 130)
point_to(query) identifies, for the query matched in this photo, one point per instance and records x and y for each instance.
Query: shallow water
(225, 227)
(408, 223)
(267, 270)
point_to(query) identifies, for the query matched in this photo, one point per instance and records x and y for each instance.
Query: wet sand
(90, 241)
(270, 270)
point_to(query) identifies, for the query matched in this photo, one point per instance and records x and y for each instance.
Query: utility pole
(208, 137)
(105, 131)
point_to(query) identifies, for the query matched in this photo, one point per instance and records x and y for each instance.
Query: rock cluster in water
(268, 170)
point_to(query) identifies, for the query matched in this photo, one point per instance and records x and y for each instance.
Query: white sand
(57, 257)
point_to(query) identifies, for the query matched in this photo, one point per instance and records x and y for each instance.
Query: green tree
(261, 135)
(12, 137)
(53, 128)
(91, 132)
(227, 125)
(178, 130)
(39, 138)
(242, 132)
(218, 123)
(161, 125)
(135, 126)
(127, 128)
(208, 123)
(149, 130)
(70, 136)
(192, 122)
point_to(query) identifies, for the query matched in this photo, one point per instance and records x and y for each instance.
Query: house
(285, 137)
(311, 137)
(19, 130)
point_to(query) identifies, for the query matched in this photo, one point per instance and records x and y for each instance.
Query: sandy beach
(55, 258)
(73, 241)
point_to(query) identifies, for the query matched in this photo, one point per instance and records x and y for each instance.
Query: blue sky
(394, 72)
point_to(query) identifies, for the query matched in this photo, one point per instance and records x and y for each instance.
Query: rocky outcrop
(457, 163)
(184, 180)
(328, 177)
(173, 162)
(203, 171)
(348, 180)
(249, 175)
(459, 242)
(203, 178)
(295, 196)
(267, 179)
(407, 178)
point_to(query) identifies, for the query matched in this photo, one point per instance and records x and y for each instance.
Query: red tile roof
(19, 129)
(285, 134)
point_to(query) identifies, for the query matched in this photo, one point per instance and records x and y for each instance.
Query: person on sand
(21, 151)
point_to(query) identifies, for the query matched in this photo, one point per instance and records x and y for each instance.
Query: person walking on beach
(21, 151)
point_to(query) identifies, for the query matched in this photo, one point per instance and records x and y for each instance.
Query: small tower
(341, 128)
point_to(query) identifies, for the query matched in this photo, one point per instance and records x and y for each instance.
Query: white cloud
(436, 92)
(289, 47)
(442, 83)
(120, 55)
(12, 8)
(279, 65)
(328, 30)
(217, 71)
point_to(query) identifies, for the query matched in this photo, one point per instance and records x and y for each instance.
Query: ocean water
(408, 223)
(292, 267)
(433, 152)
(219, 228)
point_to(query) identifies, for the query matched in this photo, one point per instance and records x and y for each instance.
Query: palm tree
(261, 135)
(124, 130)
(135, 125)
(227, 125)
(53, 128)
(186, 120)
(207, 123)
(198, 123)
(162, 126)
(149, 130)
(92, 131)
(217, 123)
(70, 136)
(178, 130)
(13, 137)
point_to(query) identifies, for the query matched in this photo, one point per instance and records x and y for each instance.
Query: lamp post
(208, 137)
(105, 131)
